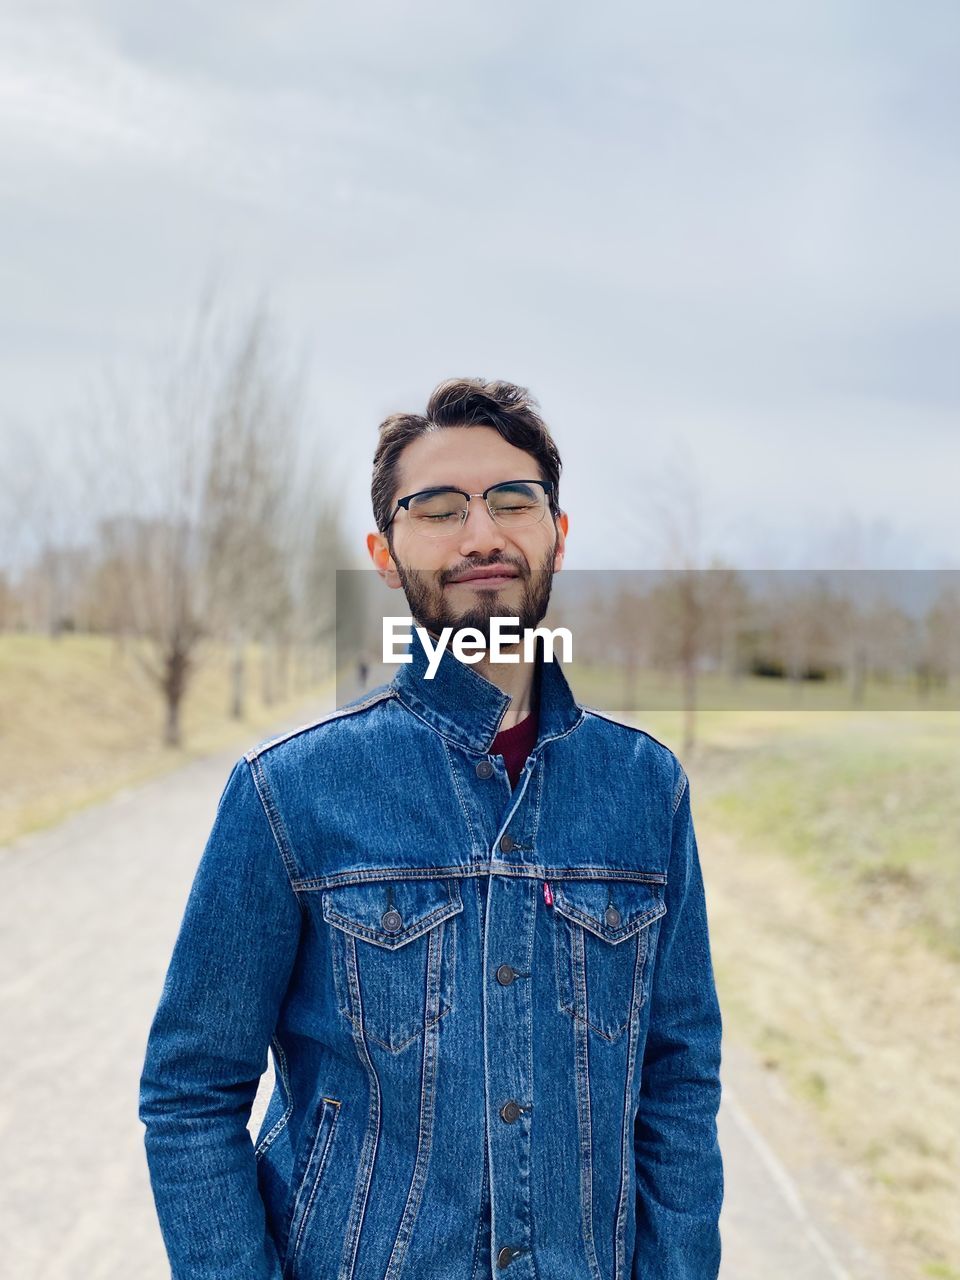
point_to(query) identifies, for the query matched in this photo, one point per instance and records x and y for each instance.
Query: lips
(498, 573)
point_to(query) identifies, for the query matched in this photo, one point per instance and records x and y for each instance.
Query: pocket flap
(612, 909)
(391, 912)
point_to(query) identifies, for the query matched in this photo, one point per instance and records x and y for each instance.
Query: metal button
(507, 844)
(484, 769)
(612, 917)
(506, 974)
(510, 1111)
(391, 920)
(505, 1256)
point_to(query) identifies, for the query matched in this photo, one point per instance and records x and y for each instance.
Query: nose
(480, 532)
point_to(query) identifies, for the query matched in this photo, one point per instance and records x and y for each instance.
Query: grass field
(79, 720)
(830, 846)
(660, 693)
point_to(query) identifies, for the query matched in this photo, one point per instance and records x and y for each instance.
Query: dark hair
(464, 402)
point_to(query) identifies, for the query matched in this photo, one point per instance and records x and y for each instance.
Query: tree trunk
(237, 679)
(174, 687)
(267, 660)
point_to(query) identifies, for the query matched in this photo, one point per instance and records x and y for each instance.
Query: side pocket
(307, 1175)
(279, 1107)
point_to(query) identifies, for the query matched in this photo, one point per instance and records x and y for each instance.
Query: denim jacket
(491, 1010)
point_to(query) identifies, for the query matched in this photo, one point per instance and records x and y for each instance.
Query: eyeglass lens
(511, 504)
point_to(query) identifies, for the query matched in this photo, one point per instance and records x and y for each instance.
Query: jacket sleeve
(207, 1045)
(678, 1161)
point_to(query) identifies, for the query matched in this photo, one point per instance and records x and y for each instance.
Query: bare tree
(195, 474)
(856, 546)
(244, 535)
(687, 595)
(939, 658)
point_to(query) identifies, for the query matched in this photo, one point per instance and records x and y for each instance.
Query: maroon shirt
(515, 744)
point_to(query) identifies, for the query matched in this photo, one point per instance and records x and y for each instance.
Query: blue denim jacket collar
(467, 708)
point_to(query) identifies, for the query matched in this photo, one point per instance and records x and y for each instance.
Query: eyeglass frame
(546, 485)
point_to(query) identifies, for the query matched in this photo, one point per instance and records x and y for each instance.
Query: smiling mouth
(488, 580)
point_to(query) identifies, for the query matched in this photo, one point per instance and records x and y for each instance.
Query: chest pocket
(605, 935)
(394, 944)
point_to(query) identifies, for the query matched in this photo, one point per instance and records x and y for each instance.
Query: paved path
(90, 913)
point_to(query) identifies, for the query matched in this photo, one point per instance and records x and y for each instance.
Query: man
(467, 915)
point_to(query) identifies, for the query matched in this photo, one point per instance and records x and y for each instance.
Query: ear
(562, 523)
(383, 561)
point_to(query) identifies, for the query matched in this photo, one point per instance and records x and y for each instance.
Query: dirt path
(91, 910)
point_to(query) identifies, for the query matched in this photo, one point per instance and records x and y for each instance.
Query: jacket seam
(678, 794)
(336, 714)
(488, 867)
(275, 823)
(623, 724)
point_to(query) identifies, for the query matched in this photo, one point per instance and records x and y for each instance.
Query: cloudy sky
(717, 242)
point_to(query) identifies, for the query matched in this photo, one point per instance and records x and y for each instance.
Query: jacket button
(505, 975)
(510, 1111)
(484, 769)
(612, 917)
(391, 920)
(505, 1256)
(507, 844)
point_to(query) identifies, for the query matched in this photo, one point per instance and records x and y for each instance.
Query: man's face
(471, 459)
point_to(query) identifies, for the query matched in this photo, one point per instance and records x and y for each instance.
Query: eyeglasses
(442, 511)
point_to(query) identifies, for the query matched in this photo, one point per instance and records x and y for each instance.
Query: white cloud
(728, 219)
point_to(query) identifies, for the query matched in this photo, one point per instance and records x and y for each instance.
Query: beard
(430, 606)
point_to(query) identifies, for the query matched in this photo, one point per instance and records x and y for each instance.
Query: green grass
(866, 802)
(831, 844)
(604, 686)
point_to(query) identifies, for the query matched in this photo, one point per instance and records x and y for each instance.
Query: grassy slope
(829, 843)
(78, 720)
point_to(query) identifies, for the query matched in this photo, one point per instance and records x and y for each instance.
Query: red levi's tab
(547, 894)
